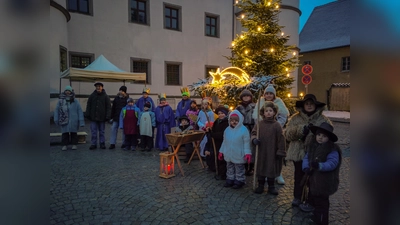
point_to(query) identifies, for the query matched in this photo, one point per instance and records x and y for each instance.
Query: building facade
(175, 42)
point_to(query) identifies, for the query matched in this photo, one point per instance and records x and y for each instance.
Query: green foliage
(261, 51)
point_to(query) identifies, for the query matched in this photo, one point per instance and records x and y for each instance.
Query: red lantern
(167, 168)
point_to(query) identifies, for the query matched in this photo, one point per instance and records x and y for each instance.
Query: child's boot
(271, 186)
(238, 184)
(260, 188)
(228, 183)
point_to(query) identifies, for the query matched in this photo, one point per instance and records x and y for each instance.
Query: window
(141, 66)
(211, 25)
(307, 63)
(172, 17)
(173, 71)
(346, 63)
(139, 11)
(79, 6)
(210, 69)
(63, 59)
(80, 60)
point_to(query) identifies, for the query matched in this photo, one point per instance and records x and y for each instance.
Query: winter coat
(141, 101)
(281, 116)
(272, 144)
(98, 107)
(119, 102)
(74, 114)
(183, 128)
(201, 123)
(182, 108)
(247, 112)
(218, 130)
(147, 120)
(128, 119)
(236, 142)
(165, 120)
(294, 131)
(323, 181)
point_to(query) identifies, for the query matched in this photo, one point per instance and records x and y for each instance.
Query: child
(235, 149)
(184, 127)
(145, 98)
(321, 163)
(184, 104)
(246, 108)
(281, 116)
(68, 114)
(271, 148)
(192, 113)
(217, 133)
(204, 120)
(165, 119)
(147, 123)
(128, 121)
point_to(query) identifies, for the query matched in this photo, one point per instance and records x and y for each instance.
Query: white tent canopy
(101, 70)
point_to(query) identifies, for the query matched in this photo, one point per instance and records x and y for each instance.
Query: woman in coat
(69, 116)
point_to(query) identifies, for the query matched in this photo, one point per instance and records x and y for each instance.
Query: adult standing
(98, 110)
(118, 103)
(145, 98)
(309, 112)
(69, 116)
(165, 120)
(184, 104)
(281, 116)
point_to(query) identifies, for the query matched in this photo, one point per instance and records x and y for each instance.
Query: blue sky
(306, 7)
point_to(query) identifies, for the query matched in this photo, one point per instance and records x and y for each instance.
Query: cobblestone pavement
(123, 187)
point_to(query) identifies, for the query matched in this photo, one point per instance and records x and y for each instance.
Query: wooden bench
(81, 136)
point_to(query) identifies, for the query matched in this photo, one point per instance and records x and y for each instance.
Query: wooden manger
(175, 140)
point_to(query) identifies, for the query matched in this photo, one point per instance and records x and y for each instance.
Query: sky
(306, 7)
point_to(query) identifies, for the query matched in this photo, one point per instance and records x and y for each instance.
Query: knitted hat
(326, 129)
(185, 91)
(246, 93)
(130, 100)
(234, 115)
(184, 117)
(163, 96)
(98, 83)
(123, 88)
(223, 109)
(68, 88)
(146, 90)
(270, 88)
(147, 104)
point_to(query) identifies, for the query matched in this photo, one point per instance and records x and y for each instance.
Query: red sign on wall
(307, 69)
(306, 79)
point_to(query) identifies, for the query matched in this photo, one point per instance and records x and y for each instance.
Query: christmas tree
(261, 52)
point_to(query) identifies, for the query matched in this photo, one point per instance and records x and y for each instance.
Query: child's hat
(300, 103)
(223, 109)
(129, 100)
(98, 83)
(327, 129)
(270, 88)
(205, 99)
(162, 96)
(184, 117)
(234, 115)
(146, 90)
(147, 104)
(68, 88)
(185, 91)
(245, 92)
(123, 88)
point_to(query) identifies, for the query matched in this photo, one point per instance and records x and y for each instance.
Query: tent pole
(59, 88)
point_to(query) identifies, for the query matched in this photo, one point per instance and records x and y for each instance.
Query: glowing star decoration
(234, 71)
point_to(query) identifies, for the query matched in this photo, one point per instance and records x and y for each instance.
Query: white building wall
(110, 33)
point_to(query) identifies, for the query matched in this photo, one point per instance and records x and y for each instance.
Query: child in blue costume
(165, 120)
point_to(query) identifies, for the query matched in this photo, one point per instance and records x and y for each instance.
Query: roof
(340, 85)
(327, 27)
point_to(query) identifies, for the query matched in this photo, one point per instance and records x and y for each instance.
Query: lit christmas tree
(261, 52)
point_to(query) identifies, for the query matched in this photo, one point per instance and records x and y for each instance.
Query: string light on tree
(242, 16)
(282, 33)
(259, 28)
(288, 95)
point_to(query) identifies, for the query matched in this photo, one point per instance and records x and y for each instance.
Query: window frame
(63, 50)
(146, 11)
(80, 54)
(167, 63)
(179, 16)
(345, 64)
(148, 72)
(217, 24)
(206, 67)
(90, 7)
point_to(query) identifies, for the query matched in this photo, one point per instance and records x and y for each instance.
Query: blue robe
(165, 120)
(182, 107)
(140, 103)
(201, 122)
